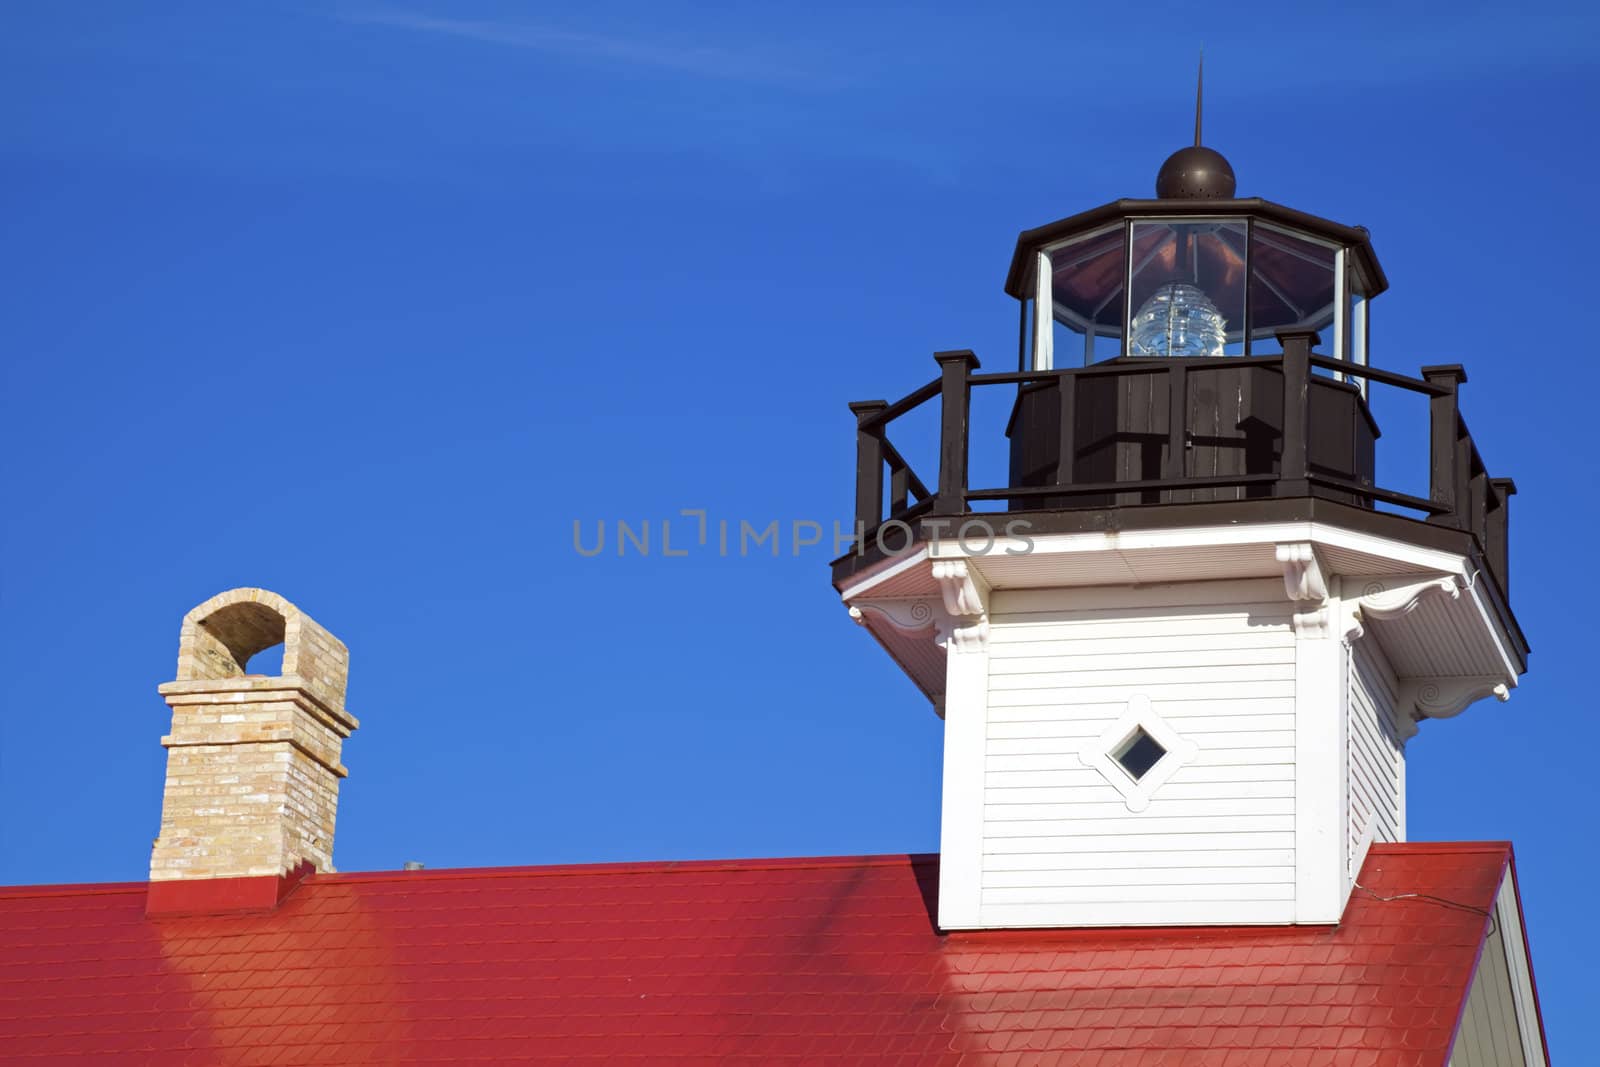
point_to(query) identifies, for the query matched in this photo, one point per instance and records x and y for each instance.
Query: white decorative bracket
(966, 605)
(1443, 698)
(1388, 597)
(1302, 572)
(1393, 596)
(1324, 615)
(913, 616)
(1139, 715)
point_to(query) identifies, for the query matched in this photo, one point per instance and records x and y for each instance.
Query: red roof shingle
(764, 961)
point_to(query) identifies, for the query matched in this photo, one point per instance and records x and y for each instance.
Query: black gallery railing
(1461, 493)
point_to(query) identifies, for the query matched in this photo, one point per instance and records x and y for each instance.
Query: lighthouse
(1182, 652)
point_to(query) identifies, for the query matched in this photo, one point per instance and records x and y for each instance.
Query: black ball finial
(1195, 173)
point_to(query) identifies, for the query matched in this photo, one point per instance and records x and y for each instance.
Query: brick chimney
(252, 761)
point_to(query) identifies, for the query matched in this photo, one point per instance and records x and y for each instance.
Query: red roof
(764, 961)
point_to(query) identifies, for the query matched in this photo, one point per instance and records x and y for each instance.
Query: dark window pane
(1139, 753)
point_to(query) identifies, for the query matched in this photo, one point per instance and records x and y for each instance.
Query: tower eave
(902, 601)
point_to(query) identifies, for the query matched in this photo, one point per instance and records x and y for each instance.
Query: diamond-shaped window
(1138, 753)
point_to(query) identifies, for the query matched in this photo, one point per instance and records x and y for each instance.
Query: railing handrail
(909, 402)
(922, 395)
(1155, 365)
(1387, 496)
(1376, 374)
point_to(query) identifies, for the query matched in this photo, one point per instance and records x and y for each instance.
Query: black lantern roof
(1020, 279)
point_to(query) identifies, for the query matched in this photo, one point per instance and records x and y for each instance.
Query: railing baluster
(899, 487)
(1297, 347)
(1445, 480)
(869, 464)
(1463, 473)
(955, 393)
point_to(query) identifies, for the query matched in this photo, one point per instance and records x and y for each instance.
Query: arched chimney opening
(228, 638)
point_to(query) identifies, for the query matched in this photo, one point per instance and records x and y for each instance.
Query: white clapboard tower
(1181, 653)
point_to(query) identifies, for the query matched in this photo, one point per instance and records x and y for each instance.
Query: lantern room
(1195, 274)
(1190, 276)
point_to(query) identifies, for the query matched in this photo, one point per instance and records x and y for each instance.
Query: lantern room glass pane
(1086, 279)
(1293, 285)
(1356, 288)
(1187, 287)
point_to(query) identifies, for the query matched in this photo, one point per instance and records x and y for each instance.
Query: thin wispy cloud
(682, 57)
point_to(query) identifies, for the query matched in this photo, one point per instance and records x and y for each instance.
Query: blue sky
(367, 303)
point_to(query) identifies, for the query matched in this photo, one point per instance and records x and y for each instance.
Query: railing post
(1294, 470)
(954, 394)
(1446, 479)
(869, 464)
(1499, 523)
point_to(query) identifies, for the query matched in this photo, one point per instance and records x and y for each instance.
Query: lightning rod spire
(1196, 172)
